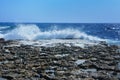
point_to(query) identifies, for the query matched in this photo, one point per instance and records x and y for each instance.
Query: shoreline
(59, 60)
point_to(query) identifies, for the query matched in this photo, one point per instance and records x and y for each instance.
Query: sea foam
(33, 32)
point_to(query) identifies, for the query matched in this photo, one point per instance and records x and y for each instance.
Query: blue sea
(85, 31)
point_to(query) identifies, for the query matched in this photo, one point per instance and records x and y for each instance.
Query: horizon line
(67, 22)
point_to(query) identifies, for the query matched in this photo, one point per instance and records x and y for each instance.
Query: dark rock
(118, 51)
(45, 76)
(2, 40)
(118, 67)
(8, 77)
(103, 43)
(3, 79)
(89, 79)
(61, 62)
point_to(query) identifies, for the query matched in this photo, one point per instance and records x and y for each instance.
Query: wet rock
(60, 62)
(103, 54)
(89, 79)
(103, 66)
(87, 64)
(117, 57)
(8, 77)
(2, 58)
(2, 40)
(79, 62)
(118, 51)
(3, 79)
(45, 76)
(118, 67)
(93, 59)
(103, 43)
(6, 51)
(108, 58)
(118, 76)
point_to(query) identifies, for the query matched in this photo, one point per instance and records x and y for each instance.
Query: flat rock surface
(63, 61)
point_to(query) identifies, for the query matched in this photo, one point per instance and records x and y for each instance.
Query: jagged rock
(8, 77)
(2, 40)
(60, 62)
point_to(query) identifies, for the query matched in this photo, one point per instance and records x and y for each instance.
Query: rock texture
(61, 62)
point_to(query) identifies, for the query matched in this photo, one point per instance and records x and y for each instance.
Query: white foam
(78, 62)
(4, 27)
(55, 42)
(23, 32)
(33, 32)
(61, 55)
(1, 36)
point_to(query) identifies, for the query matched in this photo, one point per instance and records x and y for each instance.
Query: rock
(3, 79)
(117, 57)
(101, 76)
(118, 51)
(45, 76)
(8, 77)
(59, 62)
(93, 59)
(79, 62)
(103, 54)
(2, 58)
(60, 72)
(103, 43)
(2, 40)
(6, 51)
(89, 79)
(103, 67)
(9, 65)
(118, 67)
(108, 58)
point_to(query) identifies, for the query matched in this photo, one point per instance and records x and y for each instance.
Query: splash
(23, 32)
(4, 27)
(33, 32)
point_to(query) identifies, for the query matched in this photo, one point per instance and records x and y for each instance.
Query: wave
(4, 27)
(33, 32)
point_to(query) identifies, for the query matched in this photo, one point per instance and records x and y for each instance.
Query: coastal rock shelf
(42, 60)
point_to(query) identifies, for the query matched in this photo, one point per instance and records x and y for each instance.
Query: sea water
(42, 31)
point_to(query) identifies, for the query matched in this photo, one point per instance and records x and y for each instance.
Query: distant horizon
(68, 22)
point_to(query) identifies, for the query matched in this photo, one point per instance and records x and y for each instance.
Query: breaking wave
(4, 27)
(33, 32)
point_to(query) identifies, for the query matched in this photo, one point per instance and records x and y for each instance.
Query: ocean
(40, 31)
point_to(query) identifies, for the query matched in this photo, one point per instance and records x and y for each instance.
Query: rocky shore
(59, 62)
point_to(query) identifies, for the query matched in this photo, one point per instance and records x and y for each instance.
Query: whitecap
(33, 32)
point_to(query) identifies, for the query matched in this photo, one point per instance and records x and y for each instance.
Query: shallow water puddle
(61, 55)
(51, 73)
(118, 75)
(2, 78)
(81, 61)
(4, 62)
(89, 70)
(118, 65)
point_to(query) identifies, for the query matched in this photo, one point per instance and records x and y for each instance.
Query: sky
(60, 11)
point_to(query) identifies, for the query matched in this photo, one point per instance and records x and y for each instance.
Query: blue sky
(75, 11)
